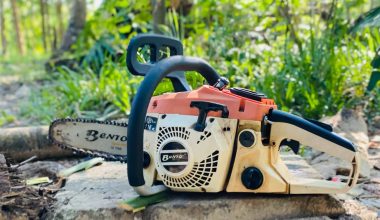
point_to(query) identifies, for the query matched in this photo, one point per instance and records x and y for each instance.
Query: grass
(26, 68)
(6, 118)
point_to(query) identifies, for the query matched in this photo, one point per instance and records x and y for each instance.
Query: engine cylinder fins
(252, 178)
(170, 132)
(247, 138)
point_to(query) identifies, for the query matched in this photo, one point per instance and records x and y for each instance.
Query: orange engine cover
(239, 107)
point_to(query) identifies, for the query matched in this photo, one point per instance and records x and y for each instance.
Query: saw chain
(87, 152)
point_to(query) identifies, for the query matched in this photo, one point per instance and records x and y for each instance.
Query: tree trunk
(182, 6)
(2, 29)
(19, 38)
(58, 9)
(76, 24)
(48, 26)
(159, 11)
(24, 142)
(43, 25)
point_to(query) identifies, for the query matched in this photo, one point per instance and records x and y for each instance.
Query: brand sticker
(174, 157)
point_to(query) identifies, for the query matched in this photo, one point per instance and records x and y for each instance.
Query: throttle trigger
(292, 144)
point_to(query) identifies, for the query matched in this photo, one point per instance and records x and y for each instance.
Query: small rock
(2, 160)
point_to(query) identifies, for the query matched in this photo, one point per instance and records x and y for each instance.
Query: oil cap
(252, 178)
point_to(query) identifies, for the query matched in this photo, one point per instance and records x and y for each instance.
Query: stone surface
(95, 194)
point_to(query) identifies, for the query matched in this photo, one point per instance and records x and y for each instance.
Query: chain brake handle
(156, 42)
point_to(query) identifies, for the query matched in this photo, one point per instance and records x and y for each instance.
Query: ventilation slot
(203, 137)
(200, 175)
(170, 132)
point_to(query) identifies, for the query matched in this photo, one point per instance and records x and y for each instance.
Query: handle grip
(285, 126)
(141, 102)
(155, 42)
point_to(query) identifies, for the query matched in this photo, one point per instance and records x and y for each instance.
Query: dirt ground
(12, 94)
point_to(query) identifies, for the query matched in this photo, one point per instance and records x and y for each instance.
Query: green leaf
(139, 203)
(81, 166)
(368, 19)
(375, 77)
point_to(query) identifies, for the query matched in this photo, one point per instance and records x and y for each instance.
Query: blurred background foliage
(312, 57)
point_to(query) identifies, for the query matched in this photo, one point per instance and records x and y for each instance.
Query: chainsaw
(210, 139)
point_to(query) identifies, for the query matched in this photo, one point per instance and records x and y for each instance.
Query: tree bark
(19, 38)
(43, 25)
(159, 11)
(24, 142)
(76, 24)
(2, 29)
(58, 9)
(48, 26)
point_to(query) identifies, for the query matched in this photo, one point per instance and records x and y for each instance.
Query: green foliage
(303, 54)
(369, 19)
(6, 118)
(314, 71)
(84, 94)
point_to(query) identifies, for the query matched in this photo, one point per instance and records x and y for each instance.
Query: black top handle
(156, 43)
(141, 102)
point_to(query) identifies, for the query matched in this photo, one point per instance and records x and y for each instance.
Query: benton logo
(174, 157)
(93, 135)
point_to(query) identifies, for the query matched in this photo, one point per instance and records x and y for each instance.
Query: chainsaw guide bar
(105, 139)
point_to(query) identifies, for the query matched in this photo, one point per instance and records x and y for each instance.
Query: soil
(19, 201)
